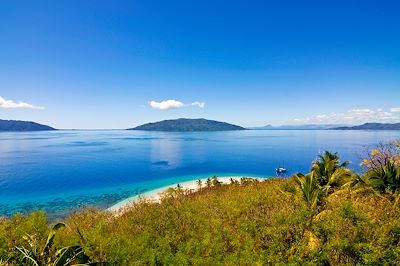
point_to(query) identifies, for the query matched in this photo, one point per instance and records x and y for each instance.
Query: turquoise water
(61, 171)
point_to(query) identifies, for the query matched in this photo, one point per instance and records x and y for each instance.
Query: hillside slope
(184, 124)
(239, 224)
(16, 125)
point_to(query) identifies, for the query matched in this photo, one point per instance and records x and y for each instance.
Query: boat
(281, 170)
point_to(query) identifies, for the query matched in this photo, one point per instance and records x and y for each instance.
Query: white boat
(280, 170)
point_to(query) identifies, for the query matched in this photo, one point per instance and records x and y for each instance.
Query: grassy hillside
(307, 219)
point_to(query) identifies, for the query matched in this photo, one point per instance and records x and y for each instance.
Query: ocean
(65, 170)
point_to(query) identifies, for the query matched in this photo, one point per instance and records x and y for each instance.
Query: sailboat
(281, 170)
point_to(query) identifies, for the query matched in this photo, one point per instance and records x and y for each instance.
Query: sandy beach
(155, 194)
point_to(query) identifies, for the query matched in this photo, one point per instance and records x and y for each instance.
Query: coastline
(154, 195)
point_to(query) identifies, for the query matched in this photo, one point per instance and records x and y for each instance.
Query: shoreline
(154, 195)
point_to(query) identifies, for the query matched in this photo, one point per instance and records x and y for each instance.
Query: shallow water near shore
(60, 171)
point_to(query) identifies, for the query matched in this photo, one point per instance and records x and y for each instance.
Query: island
(185, 124)
(372, 126)
(297, 127)
(16, 125)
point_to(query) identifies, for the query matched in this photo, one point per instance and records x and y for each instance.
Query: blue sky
(100, 64)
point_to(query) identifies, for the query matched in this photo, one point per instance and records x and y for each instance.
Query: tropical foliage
(382, 169)
(319, 218)
(330, 172)
(311, 191)
(327, 174)
(30, 252)
(70, 255)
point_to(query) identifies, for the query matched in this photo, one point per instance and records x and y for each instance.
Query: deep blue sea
(61, 171)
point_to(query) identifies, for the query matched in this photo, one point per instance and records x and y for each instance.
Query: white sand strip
(155, 195)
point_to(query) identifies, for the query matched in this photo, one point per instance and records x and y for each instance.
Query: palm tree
(233, 181)
(199, 183)
(70, 255)
(312, 194)
(326, 174)
(387, 177)
(208, 183)
(179, 189)
(382, 169)
(329, 172)
(310, 190)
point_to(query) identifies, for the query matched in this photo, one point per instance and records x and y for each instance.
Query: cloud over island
(173, 104)
(354, 116)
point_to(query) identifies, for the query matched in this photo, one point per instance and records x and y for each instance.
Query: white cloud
(173, 104)
(166, 105)
(395, 110)
(13, 104)
(199, 104)
(354, 116)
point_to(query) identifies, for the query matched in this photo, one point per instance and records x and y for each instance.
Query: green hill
(15, 125)
(184, 124)
(264, 223)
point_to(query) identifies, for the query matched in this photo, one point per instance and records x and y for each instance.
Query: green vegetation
(329, 216)
(15, 125)
(48, 256)
(184, 124)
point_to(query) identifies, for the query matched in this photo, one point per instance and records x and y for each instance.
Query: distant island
(16, 125)
(297, 127)
(372, 126)
(366, 126)
(185, 124)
